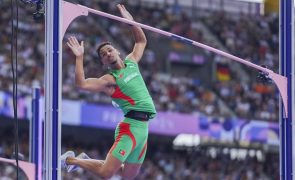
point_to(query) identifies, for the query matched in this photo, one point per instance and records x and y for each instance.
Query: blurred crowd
(255, 101)
(255, 38)
(249, 37)
(163, 162)
(167, 164)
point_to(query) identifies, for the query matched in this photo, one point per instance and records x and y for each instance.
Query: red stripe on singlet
(120, 95)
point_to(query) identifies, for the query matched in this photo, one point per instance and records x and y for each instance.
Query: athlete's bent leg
(104, 169)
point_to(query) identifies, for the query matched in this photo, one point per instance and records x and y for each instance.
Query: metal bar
(282, 119)
(286, 68)
(288, 50)
(53, 91)
(177, 37)
(28, 168)
(48, 93)
(36, 134)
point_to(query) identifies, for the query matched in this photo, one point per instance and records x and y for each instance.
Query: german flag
(223, 72)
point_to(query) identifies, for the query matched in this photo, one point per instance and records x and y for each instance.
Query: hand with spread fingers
(78, 49)
(125, 14)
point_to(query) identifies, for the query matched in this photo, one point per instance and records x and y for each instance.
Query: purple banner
(166, 123)
(173, 123)
(24, 106)
(100, 116)
(260, 131)
(181, 57)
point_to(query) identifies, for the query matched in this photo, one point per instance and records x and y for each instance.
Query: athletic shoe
(75, 167)
(63, 159)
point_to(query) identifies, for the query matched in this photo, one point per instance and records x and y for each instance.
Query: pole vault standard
(285, 83)
(28, 168)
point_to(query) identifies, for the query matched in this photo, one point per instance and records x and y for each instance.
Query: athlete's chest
(128, 76)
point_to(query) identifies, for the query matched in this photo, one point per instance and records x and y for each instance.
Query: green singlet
(131, 94)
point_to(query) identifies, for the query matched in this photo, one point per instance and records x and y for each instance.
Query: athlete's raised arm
(91, 84)
(138, 34)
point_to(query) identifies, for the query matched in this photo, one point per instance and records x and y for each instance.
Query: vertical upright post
(286, 68)
(292, 81)
(52, 90)
(36, 134)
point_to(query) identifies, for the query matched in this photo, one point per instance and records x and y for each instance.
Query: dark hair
(101, 45)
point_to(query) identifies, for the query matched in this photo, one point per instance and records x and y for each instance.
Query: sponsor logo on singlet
(131, 76)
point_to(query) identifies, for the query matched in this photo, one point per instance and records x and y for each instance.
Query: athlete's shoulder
(129, 61)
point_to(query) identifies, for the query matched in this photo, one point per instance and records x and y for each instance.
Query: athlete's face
(109, 55)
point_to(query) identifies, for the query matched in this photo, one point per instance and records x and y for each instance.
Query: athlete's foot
(75, 167)
(63, 159)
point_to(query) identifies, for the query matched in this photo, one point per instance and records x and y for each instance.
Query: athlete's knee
(106, 174)
(129, 175)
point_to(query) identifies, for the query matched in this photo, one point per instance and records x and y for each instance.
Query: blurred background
(216, 119)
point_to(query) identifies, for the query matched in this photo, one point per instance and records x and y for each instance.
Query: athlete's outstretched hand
(78, 49)
(125, 14)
